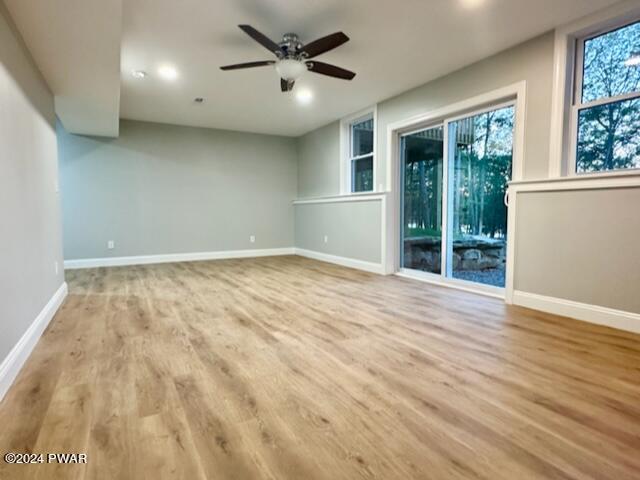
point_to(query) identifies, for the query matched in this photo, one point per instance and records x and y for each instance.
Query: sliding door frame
(513, 95)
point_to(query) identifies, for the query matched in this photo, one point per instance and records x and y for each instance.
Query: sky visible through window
(362, 144)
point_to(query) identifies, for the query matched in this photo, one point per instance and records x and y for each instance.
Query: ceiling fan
(294, 57)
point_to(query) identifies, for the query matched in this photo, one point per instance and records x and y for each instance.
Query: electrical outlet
(326, 239)
(252, 239)
(55, 266)
(111, 244)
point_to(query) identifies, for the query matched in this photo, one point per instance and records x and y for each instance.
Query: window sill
(588, 181)
(348, 197)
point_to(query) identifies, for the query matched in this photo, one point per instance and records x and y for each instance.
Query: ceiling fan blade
(325, 44)
(330, 70)
(238, 66)
(286, 85)
(262, 39)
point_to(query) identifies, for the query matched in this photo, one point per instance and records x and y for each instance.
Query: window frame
(347, 159)
(577, 104)
(567, 85)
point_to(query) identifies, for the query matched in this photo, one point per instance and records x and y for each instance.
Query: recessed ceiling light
(139, 74)
(304, 95)
(168, 72)
(470, 4)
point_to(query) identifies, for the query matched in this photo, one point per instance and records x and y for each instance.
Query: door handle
(506, 198)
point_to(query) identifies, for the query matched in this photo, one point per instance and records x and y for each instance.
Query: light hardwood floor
(288, 368)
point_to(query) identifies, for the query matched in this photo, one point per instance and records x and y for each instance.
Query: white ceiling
(76, 45)
(395, 45)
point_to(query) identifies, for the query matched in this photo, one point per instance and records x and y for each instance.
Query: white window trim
(563, 125)
(345, 150)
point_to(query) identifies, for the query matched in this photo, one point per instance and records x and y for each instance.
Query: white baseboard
(344, 261)
(12, 364)
(174, 257)
(581, 311)
(200, 256)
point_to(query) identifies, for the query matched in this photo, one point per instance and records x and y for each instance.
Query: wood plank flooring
(288, 368)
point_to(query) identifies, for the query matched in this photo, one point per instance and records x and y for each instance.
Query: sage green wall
(31, 240)
(318, 162)
(353, 229)
(580, 245)
(162, 189)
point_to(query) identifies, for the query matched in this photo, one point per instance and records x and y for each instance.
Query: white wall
(30, 243)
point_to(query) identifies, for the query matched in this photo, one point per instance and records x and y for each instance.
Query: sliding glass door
(454, 178)
(481, 149)
(422, 173)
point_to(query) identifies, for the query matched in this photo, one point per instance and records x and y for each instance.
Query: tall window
(361, 154)
(606, 110)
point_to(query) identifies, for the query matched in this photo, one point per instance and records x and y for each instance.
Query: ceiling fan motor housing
(291, 46)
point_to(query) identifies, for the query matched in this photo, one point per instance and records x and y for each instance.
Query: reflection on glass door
(480, 161)
(472, 157)
(422, 167)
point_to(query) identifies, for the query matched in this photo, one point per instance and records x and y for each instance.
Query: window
(357, 139)
(606, 103)
(361, 155)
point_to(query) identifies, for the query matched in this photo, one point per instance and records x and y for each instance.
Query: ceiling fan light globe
(290, 69)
